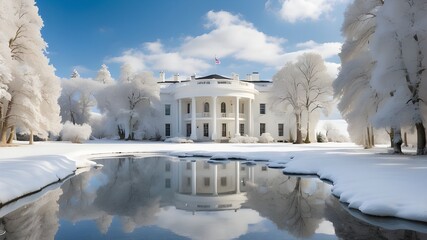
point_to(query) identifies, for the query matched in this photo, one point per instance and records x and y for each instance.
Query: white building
(217, 108)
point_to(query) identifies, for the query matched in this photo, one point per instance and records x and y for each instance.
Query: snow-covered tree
(29, 67)
(316, 84)
(104, 76)
(287, 91)
(358, 100)
(304, 86)
(131, 104)
(399, 73)
(78, 98)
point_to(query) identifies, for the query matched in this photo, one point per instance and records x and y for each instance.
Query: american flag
(217, 61)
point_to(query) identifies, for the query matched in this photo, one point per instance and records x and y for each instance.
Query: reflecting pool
(161, 197)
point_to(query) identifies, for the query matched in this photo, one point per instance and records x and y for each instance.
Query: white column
(179, 118)
(215, 179)
(180, 175)
(193, 119)
(237, 177)
(250, 119)
(193, 178)
(236, 117)
(214, 131)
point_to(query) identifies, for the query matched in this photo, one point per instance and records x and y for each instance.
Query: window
(262, 108)
(242, 129)
(207, 181)
(264, 168)
(206, 129)
(261, 128)
(242, 168)
(188, 129)
(242, 108)
(188, 165)
(168, 167)
(206, 107)
(223, 108)
(167, 129)
(189, 181)
(280, 129)
(167, 183)
(224, 130)
(223, 181)
(167, 109)
(188, 107)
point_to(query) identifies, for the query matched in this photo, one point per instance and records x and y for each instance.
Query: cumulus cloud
(227, 36)
(300, 10)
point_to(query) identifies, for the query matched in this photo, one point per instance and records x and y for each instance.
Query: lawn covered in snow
(372, 181)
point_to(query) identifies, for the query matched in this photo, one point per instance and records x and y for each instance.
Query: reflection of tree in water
(294, 204)
(37, 220)
(349, 227)
(131, 189)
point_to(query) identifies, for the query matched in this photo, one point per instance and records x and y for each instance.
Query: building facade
(216, 108)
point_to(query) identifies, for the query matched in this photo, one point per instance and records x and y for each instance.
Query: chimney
(248, 77)
(255, 76)
(162, 76)
(176, 77)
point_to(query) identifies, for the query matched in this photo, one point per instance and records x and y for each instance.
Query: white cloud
(227, 36)
(300, 10)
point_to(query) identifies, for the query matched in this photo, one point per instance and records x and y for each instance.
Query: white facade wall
(227, 91)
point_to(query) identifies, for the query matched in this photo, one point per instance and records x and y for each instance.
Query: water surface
(170, 198)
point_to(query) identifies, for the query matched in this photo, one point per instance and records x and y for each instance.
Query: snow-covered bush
(75, 133)
(178, 140)
(244, 139)
(266, 138)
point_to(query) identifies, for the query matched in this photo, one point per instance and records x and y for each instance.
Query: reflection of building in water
(203, 186)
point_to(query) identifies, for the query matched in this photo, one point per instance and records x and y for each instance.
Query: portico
(214, 107)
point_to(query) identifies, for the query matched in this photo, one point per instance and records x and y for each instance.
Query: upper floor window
(206, 107)
(167, 109)
(223, 108)
(262, 108)
(242, 108)
(188, 107)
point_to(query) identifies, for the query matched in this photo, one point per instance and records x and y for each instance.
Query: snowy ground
(369, 180)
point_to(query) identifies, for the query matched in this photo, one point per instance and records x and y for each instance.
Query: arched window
(223, 108)
(206, 107)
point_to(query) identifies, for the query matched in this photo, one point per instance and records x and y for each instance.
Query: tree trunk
(421, 138)
(31, 140)
(391, 135)
(299, 133)
(372, 137)
(368, 143)
(120, 132)
(405, 140)
(397, 141)
(11, 135)
(307, 138)
(4, 137)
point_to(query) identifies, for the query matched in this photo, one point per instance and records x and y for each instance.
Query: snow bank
(375, 184)
(23, 176)
(178, 140)
(266, 138)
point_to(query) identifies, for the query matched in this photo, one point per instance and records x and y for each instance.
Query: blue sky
(184, 36)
